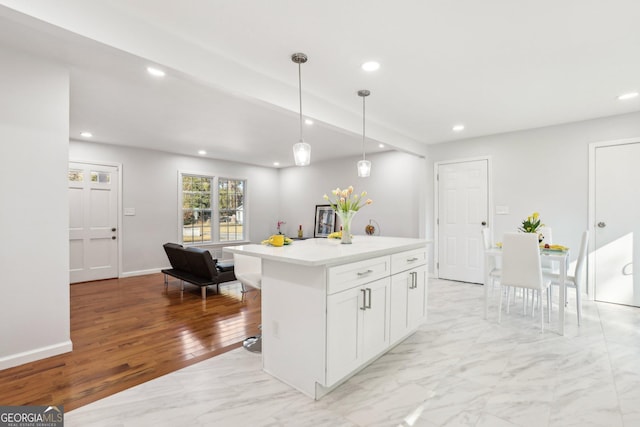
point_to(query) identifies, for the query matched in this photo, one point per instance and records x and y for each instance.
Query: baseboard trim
(141, 272)
(36, 354)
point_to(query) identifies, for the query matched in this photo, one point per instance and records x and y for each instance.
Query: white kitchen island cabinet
(330, 309)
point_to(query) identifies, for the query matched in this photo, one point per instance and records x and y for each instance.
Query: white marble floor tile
(457, 370)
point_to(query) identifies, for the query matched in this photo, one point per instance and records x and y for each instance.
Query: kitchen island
(329, 309)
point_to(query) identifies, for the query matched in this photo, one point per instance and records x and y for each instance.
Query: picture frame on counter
(325, 221)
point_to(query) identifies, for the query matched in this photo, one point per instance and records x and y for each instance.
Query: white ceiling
(494, 65)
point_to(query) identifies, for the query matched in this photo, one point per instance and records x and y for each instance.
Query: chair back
(248, 270)
(521, 261)
(581, 262)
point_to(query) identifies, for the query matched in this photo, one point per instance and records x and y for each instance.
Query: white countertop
(316, 252)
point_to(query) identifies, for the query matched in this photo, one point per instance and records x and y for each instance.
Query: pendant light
(364, 165)
(301, 150)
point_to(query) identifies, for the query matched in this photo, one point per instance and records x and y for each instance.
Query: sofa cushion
(225, 266)
(201, 263)
(175, 253)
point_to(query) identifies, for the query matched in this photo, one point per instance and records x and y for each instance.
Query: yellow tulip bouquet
(531, 224)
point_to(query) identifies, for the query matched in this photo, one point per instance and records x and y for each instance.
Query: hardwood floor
(128, 331)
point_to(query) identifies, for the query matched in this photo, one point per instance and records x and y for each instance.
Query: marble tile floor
(457, 370)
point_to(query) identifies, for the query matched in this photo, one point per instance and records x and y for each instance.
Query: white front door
(463, 211)
(93, 220)
(617, 231)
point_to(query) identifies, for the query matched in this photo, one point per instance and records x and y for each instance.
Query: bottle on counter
(300, 231)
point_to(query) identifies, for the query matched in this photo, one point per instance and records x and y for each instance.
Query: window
(196, 209)
(201, 221)
(231, 209)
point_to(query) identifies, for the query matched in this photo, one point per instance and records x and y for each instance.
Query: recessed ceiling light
(370, 66)
(308, 121)
(155, 72)
(202, 152)
(86, 134)
(380, 145)
(276, 163)
(629, 95)
(458, 128)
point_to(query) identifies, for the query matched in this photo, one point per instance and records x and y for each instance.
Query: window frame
(215, 209)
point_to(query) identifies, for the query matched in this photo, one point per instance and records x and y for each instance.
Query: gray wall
(544, 170)
(396, 186)
(150, 185)
(34, 255)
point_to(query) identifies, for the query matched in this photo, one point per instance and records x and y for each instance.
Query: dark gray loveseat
(196, 266)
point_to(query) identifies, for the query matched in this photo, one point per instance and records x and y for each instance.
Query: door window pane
(101, 177)
(76, 175)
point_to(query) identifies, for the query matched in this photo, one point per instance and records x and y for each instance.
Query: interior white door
(463, 211)
(617, 231)
(93, 219)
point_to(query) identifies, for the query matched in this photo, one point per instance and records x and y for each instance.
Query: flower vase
(346, 217)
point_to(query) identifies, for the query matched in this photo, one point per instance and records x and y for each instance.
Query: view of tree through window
(199, 224)
(196, 209)
(231, 209)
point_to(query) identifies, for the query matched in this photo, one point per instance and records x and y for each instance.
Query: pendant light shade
(301, 150)
(302, 153)
(364, 165)
(364, 168)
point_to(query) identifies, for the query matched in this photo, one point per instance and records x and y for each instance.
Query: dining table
(561, 257)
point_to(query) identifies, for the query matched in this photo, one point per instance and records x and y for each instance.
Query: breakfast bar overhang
(329, 309)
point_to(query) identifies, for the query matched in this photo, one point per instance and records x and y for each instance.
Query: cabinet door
(408, 302)
(375, 325)
(344, 318)
(399, 295)
(417, 300)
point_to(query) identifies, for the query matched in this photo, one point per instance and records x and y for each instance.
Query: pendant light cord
(363, 115)
(300, 95)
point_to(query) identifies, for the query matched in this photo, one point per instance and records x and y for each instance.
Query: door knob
(483, 223)
(113, 237)
(113, 229)
(602, 224)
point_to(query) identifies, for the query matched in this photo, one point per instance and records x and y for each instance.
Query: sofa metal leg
(166, 281)
(203, 291)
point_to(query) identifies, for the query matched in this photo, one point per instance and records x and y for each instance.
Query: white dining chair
(521, 268)
(494, 272)
(248, 271)
(576, 280)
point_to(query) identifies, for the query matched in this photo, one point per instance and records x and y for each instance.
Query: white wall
(150, 185)
(397, 186)
(544, 170)
(34, 255)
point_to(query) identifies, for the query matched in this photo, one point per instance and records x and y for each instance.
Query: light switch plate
(502, 210)
(129, 211)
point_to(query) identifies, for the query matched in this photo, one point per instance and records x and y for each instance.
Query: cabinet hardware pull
(369, 292)
(364, 299)
(414, 280)
(412, 259)
(362, 273)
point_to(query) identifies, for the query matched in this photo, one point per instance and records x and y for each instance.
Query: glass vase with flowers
(346, 204)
